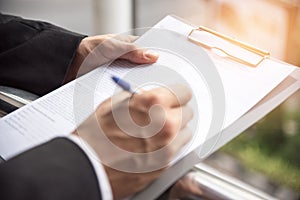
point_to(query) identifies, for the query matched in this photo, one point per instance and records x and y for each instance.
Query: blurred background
(266, 155)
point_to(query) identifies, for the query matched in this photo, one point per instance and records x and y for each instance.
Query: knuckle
(190, 112)
(154, 98)
(188, 92)
(134, 55)
(131, 38)
(185, 88)
(129, 48)
(188, 134)
(151, 99)
(170, 127)
(170, 152)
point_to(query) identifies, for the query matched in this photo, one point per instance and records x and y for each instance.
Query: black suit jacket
(35, 56)
(57, 170)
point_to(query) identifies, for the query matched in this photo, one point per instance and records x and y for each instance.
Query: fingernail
(149, 54)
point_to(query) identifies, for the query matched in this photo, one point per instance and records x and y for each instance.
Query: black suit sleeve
(34, 55)
(57, 170)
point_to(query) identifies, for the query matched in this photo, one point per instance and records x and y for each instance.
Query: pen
(123, 84)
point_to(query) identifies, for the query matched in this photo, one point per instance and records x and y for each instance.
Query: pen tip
(115, 79)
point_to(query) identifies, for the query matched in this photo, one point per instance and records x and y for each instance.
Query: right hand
(160, 119)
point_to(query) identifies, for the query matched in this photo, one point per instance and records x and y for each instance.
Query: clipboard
(257, 55)
(273, 99)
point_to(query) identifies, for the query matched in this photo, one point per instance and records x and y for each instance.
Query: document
(61, 111)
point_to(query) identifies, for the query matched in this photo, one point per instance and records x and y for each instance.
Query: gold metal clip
(263, 54)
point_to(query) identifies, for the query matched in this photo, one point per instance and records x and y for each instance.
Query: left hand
(186, 188)
(97, 50)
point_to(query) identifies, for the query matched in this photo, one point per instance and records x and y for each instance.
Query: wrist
(76, 62)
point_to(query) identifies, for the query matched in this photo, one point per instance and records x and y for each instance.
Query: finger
(126, 38)
(173, 141)
(185, 187)
(182, 93)
(112, 48)
(141, 56)
(106, 106)
(180, 116)
(173, 147)
(172, 96)
(177, 119)
(182, 138)
(125, 184)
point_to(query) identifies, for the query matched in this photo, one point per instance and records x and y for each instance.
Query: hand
(187, 187)
(97, 50)
(157, 132)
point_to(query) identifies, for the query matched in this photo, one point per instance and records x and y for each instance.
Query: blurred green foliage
(268, 148)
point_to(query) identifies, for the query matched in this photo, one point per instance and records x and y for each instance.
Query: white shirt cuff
(103, 181)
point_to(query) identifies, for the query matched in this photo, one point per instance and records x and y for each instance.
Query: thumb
(141, 56)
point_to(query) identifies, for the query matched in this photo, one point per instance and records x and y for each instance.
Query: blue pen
(123, 84)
